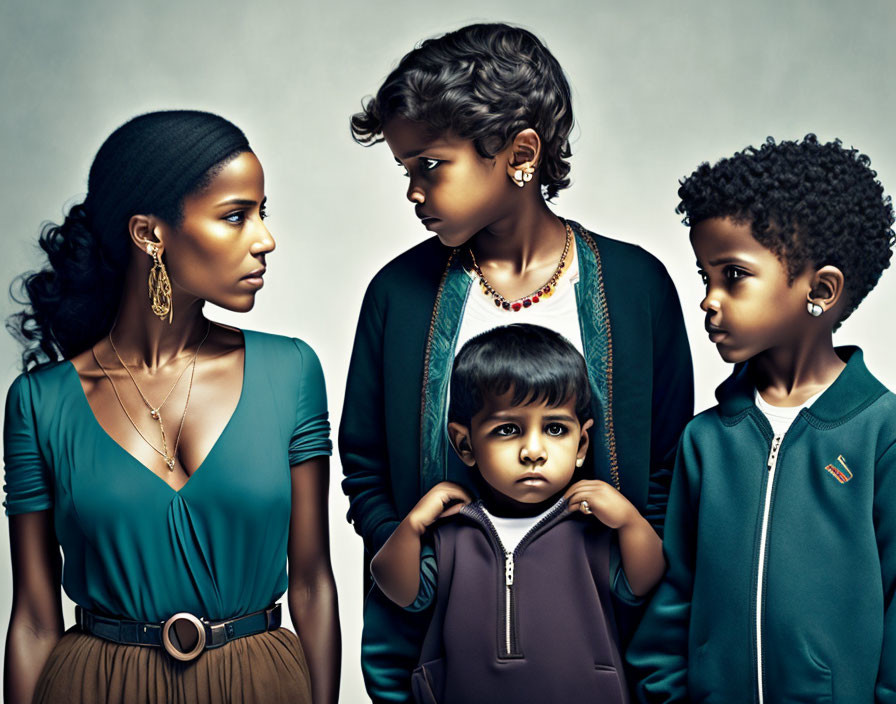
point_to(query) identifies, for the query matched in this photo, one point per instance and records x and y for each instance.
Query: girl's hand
(594, 497)
(443, 500)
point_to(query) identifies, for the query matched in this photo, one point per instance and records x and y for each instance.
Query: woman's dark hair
(486, 83)
(147, 166)
(809, 203)
(537, 364)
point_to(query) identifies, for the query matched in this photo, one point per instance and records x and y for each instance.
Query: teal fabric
(828, 617)
(134, 547)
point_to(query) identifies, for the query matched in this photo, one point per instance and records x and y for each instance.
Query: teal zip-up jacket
(392, 437)
(820, 625)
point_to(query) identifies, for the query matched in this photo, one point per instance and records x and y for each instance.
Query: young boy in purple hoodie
(521, 577)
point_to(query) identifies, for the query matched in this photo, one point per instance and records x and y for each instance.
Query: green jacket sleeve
(362, 433)
(885, 530)
(658, 652)
(673, 395)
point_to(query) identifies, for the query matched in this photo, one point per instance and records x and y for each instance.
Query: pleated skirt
(268, 668)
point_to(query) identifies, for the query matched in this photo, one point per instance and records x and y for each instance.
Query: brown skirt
(268, 668)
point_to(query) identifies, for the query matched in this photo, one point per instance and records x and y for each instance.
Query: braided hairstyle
(485, 83)
(147, 166)
(810, 203)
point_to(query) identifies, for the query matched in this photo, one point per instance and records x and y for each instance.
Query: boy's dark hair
(807, 202)
(483, 82)
(539, 365)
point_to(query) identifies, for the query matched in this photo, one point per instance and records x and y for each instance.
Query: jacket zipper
(771, 464)
(507, 617)
(508, 602)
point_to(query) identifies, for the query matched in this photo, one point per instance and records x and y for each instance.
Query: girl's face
(455, 192)
(217, 253)
(750, 305)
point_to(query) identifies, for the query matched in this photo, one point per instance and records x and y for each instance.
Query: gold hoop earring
(159, 286)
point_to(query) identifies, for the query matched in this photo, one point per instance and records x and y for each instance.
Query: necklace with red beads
(541, 292)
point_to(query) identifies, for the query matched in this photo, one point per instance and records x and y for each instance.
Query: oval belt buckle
(171, 640)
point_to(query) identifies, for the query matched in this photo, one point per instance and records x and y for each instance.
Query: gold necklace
(155, 412)
(542, 291)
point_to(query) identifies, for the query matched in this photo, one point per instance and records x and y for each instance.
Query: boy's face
(525, 453)
(455, 192)
(750, 306)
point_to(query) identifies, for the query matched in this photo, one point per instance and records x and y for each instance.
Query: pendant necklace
(155, 412)
(542, 291)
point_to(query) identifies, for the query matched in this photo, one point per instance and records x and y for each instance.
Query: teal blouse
(134, 547)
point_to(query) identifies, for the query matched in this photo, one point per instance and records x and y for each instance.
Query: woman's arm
(36, 624)
(396, 566)
(312, 589)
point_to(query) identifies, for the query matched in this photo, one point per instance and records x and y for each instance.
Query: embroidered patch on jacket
(841, 476)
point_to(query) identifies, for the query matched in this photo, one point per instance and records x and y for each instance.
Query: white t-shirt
(512, 530)
(558, 312)
(782, 417)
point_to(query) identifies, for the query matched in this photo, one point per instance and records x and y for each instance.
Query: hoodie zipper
(771, 464)
(508, 612)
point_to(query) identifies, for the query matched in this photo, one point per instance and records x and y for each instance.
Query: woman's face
(217, 252)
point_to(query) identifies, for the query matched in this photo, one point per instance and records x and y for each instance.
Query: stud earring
(580, 462)
(523, 174)
(159, 286)
(814, 309)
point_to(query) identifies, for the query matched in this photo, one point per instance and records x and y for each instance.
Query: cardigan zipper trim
(604, 314)
(428, 352)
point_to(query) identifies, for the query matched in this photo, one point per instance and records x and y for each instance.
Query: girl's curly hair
(486, 83)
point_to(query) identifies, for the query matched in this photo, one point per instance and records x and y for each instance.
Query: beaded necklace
(542, 291)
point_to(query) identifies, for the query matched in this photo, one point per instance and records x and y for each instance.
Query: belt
(208, 634)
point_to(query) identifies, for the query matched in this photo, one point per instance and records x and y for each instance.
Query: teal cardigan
(827, 623)
(392, 437)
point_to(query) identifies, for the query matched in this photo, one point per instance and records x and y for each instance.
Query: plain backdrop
(658, 88)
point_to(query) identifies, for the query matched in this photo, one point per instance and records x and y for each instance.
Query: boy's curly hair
(483, 82)
(808, 202)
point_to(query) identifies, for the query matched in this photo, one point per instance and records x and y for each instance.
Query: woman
(176, 461)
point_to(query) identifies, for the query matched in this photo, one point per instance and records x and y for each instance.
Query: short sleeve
(28, 486)
(311, 436)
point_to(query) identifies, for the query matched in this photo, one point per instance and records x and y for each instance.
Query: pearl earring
(523, 174)
(580, 461)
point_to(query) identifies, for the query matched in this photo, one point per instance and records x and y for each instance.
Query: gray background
(658, 87)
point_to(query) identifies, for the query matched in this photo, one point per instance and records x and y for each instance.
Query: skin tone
(527, 456)
(217, 254)
(466, 199)
(755, 311)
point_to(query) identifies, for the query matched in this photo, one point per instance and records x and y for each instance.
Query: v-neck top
(133, 546)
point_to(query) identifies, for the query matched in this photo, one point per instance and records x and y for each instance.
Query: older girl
(479, 120)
